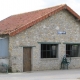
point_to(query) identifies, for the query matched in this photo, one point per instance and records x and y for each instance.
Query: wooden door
(26, 59)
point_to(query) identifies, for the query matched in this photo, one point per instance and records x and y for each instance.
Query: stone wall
(45, 31)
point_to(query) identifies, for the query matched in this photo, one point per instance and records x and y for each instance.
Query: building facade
(42, 46)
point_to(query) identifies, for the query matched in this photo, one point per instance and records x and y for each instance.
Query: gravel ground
(43, 75)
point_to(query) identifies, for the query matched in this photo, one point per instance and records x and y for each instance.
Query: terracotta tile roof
(17, 23)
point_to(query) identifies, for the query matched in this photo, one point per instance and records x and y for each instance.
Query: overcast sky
(12, 7)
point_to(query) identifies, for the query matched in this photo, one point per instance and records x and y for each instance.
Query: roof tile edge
(63, 6)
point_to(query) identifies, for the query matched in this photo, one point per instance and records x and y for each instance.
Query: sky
(12, 7)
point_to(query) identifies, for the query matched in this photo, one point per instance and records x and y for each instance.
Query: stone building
(38, 40)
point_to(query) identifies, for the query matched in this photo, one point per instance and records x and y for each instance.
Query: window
(72, 50)
(4, 45)
(49, 50)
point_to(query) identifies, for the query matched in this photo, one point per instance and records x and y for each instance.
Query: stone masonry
(45, 31)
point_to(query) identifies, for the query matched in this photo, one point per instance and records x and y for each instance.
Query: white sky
(11, 7)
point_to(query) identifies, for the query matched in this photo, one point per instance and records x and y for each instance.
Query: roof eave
(73, 12)
(12, 33)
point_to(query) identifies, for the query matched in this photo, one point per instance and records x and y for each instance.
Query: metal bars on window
(72, 50)
(49, 50)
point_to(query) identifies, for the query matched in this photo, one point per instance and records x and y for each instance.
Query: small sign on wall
(61, 32)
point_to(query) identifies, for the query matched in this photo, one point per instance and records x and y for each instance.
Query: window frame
(56, 51)
(70, 50)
